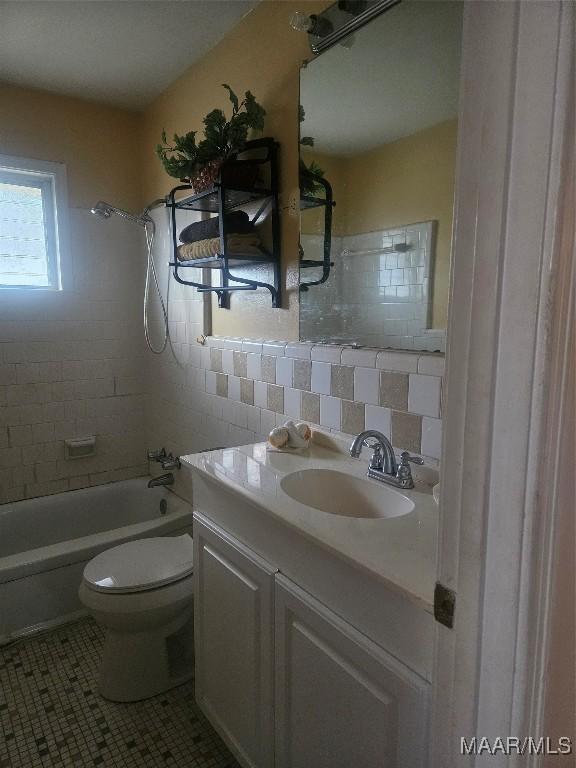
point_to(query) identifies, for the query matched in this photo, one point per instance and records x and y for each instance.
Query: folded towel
(245, 244)
(237, 222)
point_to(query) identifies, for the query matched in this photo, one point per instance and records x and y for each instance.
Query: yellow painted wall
(99, 144)
(262, 54)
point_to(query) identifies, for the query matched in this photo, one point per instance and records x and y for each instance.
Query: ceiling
(121, 52)
(396, 76)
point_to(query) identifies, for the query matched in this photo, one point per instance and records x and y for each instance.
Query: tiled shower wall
(71, 365)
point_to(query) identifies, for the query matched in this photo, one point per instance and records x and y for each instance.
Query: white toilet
(141, 593)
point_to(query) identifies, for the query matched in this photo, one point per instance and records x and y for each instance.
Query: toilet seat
(140, 565)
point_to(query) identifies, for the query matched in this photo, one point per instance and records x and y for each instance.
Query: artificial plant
(185, 158)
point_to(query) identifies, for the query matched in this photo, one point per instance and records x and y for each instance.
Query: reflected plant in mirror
(379, 123)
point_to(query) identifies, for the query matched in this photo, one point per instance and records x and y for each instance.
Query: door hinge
(444, 605)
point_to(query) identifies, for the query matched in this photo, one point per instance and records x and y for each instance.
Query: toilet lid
(142, 564)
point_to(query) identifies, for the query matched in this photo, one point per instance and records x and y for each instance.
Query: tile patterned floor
(51, 714)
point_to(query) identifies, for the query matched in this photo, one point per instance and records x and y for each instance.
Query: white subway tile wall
(72, 365)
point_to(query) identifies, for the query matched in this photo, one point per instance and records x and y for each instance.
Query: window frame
(50, 178)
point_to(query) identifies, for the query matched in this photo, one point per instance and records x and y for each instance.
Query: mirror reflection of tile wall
(381, 113)
(380, 294)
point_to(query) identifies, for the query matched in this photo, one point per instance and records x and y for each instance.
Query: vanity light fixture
(338, 21)
(313, 24)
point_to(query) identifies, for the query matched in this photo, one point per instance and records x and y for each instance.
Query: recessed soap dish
(80, 447)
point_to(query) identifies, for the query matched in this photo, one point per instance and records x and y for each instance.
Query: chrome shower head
(105, 210)
(102, 209)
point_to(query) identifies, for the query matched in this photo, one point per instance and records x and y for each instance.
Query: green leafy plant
(309, 174)
(185, 157)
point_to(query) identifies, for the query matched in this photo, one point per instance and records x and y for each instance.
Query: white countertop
(399, 550)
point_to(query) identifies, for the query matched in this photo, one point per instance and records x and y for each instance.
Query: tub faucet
(167, 479)
(383, 465)
(170, 462)
(166, 460)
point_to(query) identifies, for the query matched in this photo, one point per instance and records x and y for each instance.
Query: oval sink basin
(346, 495)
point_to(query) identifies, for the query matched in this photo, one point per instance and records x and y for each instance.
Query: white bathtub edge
(41, 627)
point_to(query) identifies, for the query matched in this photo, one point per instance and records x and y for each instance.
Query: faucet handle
(377, 460)
(157, 455)
(406, 459)
(404, 473)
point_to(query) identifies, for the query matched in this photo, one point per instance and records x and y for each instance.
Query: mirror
(378, 131)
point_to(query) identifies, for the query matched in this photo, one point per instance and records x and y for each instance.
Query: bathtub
(45, 544)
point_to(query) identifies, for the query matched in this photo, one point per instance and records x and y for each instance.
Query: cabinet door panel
(233, 619)
(341, 701)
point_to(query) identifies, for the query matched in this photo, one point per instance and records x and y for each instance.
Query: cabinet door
(233, 636)
(341, 701)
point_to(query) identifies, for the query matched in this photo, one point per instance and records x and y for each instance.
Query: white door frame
(515, 100)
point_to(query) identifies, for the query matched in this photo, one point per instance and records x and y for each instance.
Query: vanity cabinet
(285, 680)
(341, 701)
(233, 638)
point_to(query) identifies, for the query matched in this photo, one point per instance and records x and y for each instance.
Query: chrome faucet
(167, 479)
(171, 462)
(383, 458)
(383, 465)
(166, 460)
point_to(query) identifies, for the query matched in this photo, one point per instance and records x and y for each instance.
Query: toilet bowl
(141, 593)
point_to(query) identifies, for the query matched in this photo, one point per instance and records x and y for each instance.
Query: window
(32, 202)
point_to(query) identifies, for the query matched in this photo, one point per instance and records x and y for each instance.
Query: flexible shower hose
(150, 230)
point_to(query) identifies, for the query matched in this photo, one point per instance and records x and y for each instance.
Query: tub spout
(167, 479)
